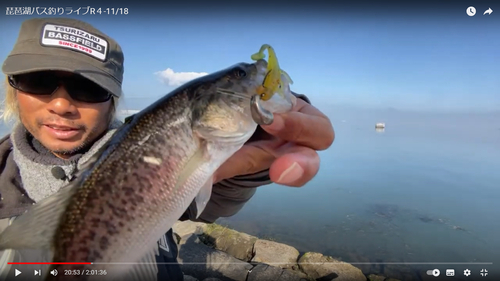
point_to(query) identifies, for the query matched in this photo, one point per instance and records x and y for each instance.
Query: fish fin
(104, 150)
(203, 196)
(128, 119)
(147, 268)
(190, 167)
(205, 191)
(36, 228)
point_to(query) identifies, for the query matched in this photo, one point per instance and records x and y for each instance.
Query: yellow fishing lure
(273, 82)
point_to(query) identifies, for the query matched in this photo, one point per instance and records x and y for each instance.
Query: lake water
(420, 195)
(398, 202)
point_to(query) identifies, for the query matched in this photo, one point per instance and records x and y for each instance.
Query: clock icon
(471, 11)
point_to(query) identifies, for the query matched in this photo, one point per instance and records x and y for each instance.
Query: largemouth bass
(143, 179)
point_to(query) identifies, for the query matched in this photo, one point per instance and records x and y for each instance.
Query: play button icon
(17, 272)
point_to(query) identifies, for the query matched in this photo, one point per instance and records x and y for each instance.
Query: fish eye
(240, 73)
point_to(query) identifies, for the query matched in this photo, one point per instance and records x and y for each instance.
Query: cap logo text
(75, 39)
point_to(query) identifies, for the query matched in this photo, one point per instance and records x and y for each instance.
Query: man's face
(60, 123)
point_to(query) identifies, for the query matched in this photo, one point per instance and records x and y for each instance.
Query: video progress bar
(270, 263)
(49, 263)
(281, 263)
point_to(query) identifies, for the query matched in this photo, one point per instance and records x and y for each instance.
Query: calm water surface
(425, 190)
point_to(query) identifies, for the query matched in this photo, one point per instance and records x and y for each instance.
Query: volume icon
(54, 272)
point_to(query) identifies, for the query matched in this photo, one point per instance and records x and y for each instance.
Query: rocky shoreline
(210, 252)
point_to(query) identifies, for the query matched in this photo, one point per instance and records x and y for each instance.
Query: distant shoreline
(128, 111)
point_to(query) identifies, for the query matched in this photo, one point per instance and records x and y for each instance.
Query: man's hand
(289, 152)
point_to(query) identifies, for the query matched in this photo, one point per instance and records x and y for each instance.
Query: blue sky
(408, 61)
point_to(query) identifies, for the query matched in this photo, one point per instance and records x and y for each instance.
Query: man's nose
(61, 102)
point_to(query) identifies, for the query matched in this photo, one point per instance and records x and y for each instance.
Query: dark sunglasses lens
(45, 83)
(84, 90)
(39, 83)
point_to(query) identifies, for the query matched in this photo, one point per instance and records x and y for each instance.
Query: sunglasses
(45, 83)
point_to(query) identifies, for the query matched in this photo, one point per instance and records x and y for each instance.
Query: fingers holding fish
(250, 159)
(300, 128)
(296, 166)
(289, 164)
(305, 125)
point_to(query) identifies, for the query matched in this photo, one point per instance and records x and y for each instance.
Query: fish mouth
(260, 115)
(262, 111)
(233, 93)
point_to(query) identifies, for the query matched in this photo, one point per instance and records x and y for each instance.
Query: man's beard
(79, 149)
(85, 145)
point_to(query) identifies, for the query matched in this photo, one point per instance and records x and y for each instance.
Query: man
(64, 82)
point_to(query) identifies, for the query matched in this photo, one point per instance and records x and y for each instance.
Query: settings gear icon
(467, 272)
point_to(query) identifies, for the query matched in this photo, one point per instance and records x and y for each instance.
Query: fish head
(222, 105)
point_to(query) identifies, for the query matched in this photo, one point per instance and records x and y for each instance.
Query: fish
(143, 179)
(275, 89)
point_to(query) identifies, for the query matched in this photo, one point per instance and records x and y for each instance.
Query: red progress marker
(49, 263)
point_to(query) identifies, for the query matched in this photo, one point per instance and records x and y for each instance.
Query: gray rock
(211, 279)
(293, 275)
(236, 244)
(265, 272)
(325, 268)
(189, 278)
(201, 262)
(184, 228)
(275, 254)
(298, 273)
(374, 277)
